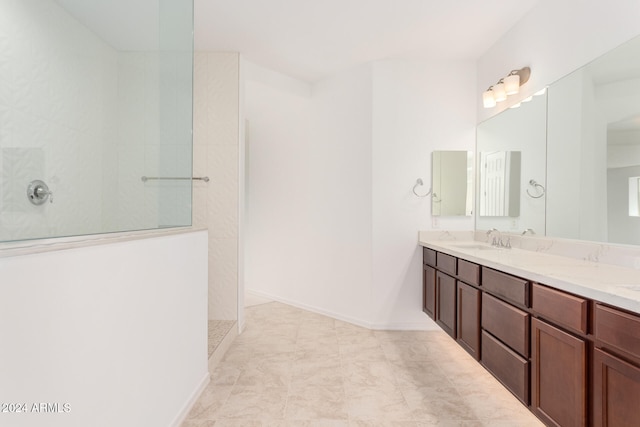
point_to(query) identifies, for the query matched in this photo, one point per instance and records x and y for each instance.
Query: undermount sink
(480, 246)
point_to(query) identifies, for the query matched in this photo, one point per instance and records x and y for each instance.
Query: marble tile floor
(296, 368)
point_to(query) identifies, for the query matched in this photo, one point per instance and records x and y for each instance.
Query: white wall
(411, 116)
(554, 39)
(418, 107)
(309, 191)
(118, 331)
(331, 219)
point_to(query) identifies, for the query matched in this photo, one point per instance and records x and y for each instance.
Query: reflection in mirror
(511, 152)
(594, 149)
(452, 183)
(499, 183)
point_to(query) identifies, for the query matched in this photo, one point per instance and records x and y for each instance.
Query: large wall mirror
(586, 184)
(594, 150)
(511, 154)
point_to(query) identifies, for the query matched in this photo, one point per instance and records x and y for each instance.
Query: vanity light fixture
(498, 91)
(512, 83)
(488, 100)
(509, 85)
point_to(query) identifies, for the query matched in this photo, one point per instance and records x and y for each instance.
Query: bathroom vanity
(562, 334)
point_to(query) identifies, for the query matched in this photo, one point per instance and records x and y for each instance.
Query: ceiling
(311, 40)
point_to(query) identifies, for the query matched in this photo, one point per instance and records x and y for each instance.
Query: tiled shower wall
(89, 121)
(216, 154)
(58, 99)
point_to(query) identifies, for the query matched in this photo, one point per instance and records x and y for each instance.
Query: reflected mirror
(452, 183)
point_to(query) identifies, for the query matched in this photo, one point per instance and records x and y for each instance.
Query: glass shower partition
(95, 116)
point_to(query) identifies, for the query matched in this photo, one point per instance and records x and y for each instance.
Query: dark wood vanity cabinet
(505, 330)
(571, 360)
(441, 301)
(505, 344)
(509, 367)
(616, 372)
(429, 291)
(559, 357)
(558, 375)
(445, 311)
(616, 391)
(468, 318)
(429, 282)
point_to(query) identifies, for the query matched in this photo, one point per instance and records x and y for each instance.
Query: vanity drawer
(429, 256)
(560, 308)
(509, 287)
(618, 332)
(507, 323)
(469, 272)
(446, 263)
(507, 366)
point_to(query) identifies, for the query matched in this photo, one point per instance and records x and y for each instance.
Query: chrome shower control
(38, 192)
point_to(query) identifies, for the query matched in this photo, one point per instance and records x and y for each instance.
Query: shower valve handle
(42, 193)
(38, 192)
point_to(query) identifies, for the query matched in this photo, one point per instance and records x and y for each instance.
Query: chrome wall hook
(534, 184)
(419, 182)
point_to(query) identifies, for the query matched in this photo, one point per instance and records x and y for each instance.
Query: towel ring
(537, 186)
(419, 182)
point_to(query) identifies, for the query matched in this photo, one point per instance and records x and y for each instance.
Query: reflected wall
(90, 117)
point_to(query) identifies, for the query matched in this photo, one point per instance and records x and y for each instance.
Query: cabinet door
(429, 290)
(446, 303)
(469, 319)
(558, 375)
(616, 391)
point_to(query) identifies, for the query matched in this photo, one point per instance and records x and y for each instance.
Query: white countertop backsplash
(603, 272)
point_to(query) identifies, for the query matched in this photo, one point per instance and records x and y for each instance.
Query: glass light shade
(487, 99)
(512, 84)
(499, 93)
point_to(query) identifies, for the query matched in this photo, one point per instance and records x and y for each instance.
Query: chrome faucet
(528, 230)
(497, 241)
(494, 241)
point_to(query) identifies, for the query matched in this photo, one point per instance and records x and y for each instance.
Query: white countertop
(610, 284)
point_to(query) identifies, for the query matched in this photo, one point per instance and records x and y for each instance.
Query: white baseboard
(182, 415)
(427, 325)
